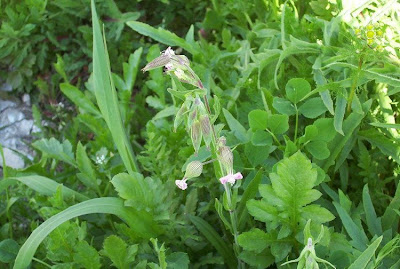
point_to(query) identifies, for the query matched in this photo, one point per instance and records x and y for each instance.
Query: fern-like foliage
(285, 207)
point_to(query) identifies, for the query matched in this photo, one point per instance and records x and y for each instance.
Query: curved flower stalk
(196, 114)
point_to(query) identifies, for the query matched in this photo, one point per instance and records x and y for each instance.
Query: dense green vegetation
(261, 134)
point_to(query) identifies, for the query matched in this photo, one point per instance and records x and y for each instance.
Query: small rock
(12, 159)
(26, 99)
(6, 87)
(4, 104)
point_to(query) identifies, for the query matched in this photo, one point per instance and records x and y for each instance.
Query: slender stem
(42, 262)
(354, 84)
(233, 217)
(297, 123)
(274, 137)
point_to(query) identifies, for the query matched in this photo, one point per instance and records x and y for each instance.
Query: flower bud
(206, 129)
(193, 169)
(226, 159)
(179, 116)
(196, 135)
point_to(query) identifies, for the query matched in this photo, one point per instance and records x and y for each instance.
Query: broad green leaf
(261, 138)
(258, 119)
(318, 149)
(317, 214)
(283, 106)
(326, 131)
(258, 260)
(213, 237)
(360, 240)
(367, 255)
(262, 211)
(106, 205)
(54, 149)
(313, 108)
(278, 124)
(118, 252)
(106, 96)
(296, 89)
(390, 219)
(254, 240)
(373, 222)
(237, 129)
(161, 35)
(8, 250)
(79, 99)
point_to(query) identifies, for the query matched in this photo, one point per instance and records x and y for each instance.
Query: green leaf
(283, 106)
(340, 110)
(79, 99)
(8, 250)
(221, 214)
(253, 240)
(86, 255)
(106, 96)
(278, 124)
(318, 149)
(385, 125)
(106, 205)
(296, 89)
(258, 119)
(313, 108)
(326, 131)
(119, 253)
(360, 240)
(249, 193)
(48, 187)
(373, 222)
(388, 146)
(317, 213)
(54, 149)
(178, 260)
(131, 68)
(261, 138)
(161, 35)
(258, 260)
(390, 219)
(213, 237)
(237, 129)
(83, 162)
(367, 255)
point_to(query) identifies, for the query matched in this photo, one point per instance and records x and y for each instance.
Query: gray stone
(12, 159)
(6, 87)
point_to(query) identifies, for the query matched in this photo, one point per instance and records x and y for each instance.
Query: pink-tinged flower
(231, 178)
(181, 184)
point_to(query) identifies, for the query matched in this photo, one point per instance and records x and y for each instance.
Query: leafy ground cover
(263, 136)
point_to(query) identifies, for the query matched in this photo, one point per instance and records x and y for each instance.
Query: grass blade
(373, 223)
(213, 237)
(366, 256)
(46, 186)
(106, 96)
(360, 239)
(107, 205)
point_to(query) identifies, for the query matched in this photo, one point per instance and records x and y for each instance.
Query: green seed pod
(226, 158)
(196, 135)
(180, 116)
(206, 129)
(193, 169)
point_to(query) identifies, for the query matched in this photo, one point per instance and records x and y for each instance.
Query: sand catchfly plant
(199, 121)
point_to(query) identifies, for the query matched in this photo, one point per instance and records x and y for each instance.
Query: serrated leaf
(118, 252)
(86, 255)
(54, 149)
(254, 240)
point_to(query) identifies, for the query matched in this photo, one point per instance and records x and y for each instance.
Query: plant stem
(42, 262)
(233, 217)
(354, 84)
(297, 124)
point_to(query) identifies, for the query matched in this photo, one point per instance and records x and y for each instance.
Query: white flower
(231, 178)
(181, 184)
